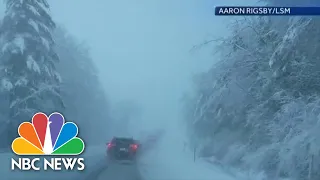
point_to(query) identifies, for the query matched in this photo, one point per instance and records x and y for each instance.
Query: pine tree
(28, 73)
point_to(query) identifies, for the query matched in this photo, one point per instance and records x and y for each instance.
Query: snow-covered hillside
(258, 108)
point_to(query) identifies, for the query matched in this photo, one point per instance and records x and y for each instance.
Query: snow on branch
(34, 25)
(36, 93)
(32, 64)
(33, 10)
(6, 85)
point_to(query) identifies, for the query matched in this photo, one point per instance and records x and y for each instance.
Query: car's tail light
(110, 145)
(134, 146)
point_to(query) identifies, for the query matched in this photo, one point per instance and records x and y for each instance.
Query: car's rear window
(123, 140)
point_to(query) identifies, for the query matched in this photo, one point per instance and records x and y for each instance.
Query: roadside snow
(170, 161)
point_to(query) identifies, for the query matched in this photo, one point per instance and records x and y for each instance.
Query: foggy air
(159, 90)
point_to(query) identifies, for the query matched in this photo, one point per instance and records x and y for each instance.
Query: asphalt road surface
(118, 171)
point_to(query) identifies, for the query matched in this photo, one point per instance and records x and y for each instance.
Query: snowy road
(120, 172)
(157, 163)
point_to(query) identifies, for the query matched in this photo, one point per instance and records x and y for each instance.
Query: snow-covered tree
(28, 73)
(82, 92)
(259, 105)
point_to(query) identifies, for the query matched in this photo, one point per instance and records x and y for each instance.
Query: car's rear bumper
(121, 156)
(116, 160)
(125, 161)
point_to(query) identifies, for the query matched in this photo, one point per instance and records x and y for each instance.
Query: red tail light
(110, 145)
(134, 146)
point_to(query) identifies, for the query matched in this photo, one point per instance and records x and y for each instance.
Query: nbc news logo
(48, 136)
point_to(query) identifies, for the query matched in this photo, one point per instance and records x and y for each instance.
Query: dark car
(122, 149)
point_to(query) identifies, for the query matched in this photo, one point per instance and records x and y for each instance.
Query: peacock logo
(48, 136)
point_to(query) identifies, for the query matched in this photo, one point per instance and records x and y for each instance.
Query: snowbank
(169, 160)
(155, 166)
(93, 155)
(239, 174)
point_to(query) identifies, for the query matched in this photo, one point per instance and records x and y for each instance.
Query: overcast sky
(142, 46)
